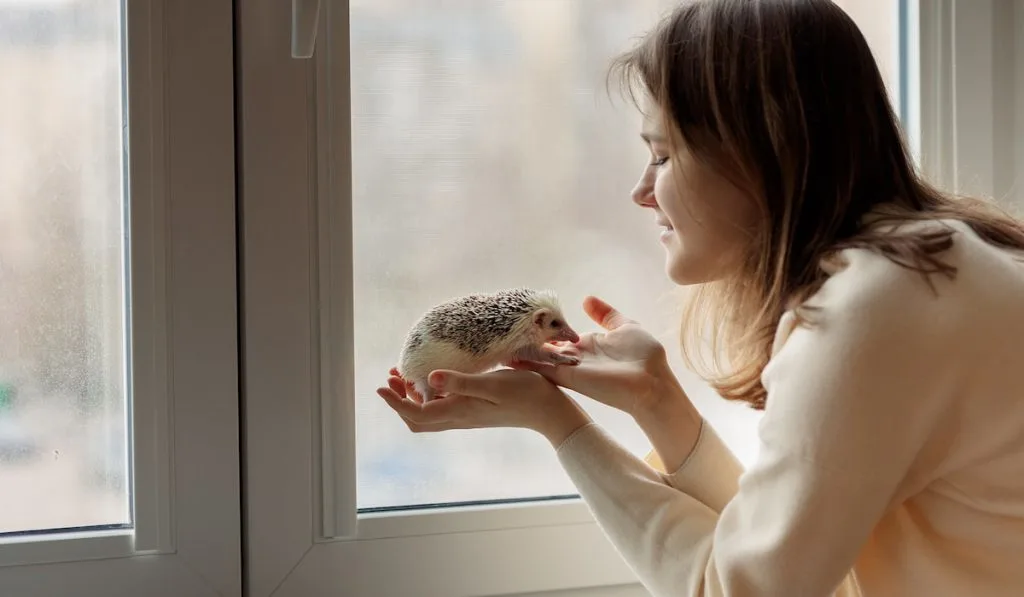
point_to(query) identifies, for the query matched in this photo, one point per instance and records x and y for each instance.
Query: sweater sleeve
(710, 474)
(851, 401)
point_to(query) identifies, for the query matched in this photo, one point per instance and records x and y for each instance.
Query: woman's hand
(625, 367)
(503, 398)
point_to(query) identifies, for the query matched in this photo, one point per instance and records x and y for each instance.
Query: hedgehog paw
(557, 357)
(564, 359)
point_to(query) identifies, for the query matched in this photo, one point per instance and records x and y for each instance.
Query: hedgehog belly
(440, 354)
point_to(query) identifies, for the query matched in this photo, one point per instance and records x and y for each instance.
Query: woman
(876, 320)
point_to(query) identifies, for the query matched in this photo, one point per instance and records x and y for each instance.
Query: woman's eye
(659, 161)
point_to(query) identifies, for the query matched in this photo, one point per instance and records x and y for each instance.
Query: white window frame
(183, 330)
(303, 536)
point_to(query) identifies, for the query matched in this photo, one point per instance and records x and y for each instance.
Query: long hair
(784, 98)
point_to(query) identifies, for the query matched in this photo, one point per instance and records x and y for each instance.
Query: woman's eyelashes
(656, 161)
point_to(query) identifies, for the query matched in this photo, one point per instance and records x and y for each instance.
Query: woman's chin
(682, 279)
(685, 272)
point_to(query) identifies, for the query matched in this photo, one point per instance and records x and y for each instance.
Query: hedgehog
(478, 332)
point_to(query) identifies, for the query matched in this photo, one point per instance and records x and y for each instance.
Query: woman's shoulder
(960, 271)
(883, 359)
(970, 281)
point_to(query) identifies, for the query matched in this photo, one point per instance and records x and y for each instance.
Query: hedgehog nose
(569, 335)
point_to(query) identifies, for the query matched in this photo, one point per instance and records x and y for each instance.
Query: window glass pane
(63, 432)
(487, 154)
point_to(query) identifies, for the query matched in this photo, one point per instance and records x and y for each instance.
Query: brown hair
(783, 97)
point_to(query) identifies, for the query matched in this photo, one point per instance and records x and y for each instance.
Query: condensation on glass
(488, 154)
(63, 400)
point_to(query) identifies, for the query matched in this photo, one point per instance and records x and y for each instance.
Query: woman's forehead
(652, 126)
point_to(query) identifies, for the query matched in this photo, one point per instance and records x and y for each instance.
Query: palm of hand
(623, 367)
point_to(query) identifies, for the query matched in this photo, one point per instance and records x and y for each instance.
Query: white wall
(1018, 128)
(1008, 101)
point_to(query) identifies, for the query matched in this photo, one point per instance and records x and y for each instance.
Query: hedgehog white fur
(478, 332)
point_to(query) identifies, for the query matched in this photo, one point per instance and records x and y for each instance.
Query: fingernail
(437, 380)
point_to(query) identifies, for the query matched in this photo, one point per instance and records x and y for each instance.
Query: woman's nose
(643, 192)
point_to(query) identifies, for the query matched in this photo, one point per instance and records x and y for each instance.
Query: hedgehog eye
(556, 324)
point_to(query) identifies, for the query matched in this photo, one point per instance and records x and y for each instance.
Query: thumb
(604, 314)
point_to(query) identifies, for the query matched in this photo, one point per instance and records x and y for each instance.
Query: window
(487, 152)
(485, 148)
(428, 150)
(967, 77)
(118, 344)
(210, 250)
(63, 396)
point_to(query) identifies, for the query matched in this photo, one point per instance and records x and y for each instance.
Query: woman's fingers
(560, 375)
(604, 314)
(436, 415)
(399, 386)
(403, 387)
(407, 409)
(482, 385)
(408, 412)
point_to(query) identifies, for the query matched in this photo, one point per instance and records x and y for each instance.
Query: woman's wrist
(561, 421)
(671, 423)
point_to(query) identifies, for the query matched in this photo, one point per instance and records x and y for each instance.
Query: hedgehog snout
(563, 333)
(566, 334)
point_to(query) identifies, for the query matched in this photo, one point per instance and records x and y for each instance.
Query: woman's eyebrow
(652, 138)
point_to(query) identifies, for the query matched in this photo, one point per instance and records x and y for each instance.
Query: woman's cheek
(667, 194)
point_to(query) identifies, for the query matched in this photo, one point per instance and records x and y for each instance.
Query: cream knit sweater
(891, 451)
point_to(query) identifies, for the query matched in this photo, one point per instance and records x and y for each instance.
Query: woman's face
(704, 220)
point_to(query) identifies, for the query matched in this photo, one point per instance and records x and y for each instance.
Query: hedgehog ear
(541, 317)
